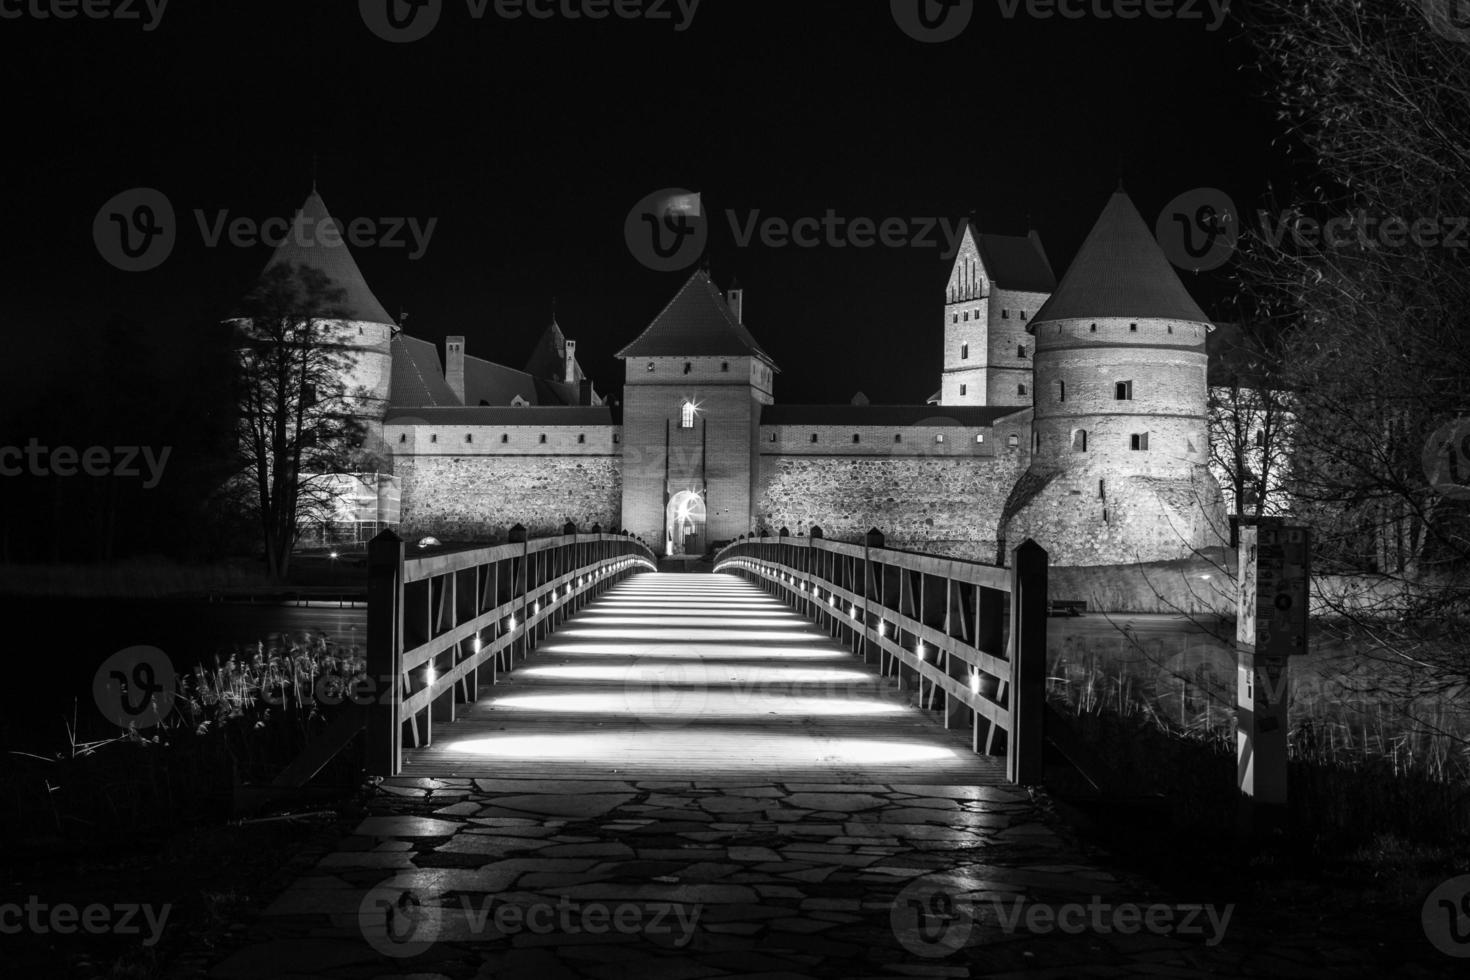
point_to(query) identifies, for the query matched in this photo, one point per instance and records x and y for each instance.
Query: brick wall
(481, 497)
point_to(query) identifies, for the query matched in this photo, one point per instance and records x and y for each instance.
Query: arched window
(688, 367)
(504, 438)
(686, 416)
(1079, 440)
(964, 352)
(856, 438)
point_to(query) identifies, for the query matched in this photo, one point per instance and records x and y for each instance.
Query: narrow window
(963, 389)
(898, 437)
(1013, 440)
(434, 437)
(1020, 389)
(954, 318)
(1123, 391)
(1036, 441)
(1139, 441)
(1260, 438)
(967, 316)
(814, 437)
(403, 437)
(1171, 328)
(1079, 440)
(686, 416)
(773, 437)
(1133, 328)
(1061, 391)
(1005, 314)
(468, 437)
(543, 438)
(939, 437)
(1102, 490)
(1094, 328)
(1021, 350)
(964, 352)
(688, 367)
(725, 367)
(504, 438)
(617, 438)
(581, 438)
(650, 367)
(1023, 314)
(856, 438)
(979, 438)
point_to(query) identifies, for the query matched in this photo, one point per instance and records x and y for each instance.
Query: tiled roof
(1120, 271)
(696, 323)
(418, 377)
(548, 358)
(548, 415)
(970, 416)
(1017, 262)
(307, 245)
(496, 384)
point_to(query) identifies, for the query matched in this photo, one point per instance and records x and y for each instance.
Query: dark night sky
(530, 141)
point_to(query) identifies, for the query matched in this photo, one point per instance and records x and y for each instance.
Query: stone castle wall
(940, 504)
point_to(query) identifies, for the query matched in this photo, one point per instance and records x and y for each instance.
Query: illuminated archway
(684, 524)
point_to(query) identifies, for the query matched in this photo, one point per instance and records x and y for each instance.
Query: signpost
(1272, 604)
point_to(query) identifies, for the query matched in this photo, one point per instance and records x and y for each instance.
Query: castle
(1073, 413)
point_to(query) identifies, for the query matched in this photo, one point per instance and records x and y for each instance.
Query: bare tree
(1364, 271)
(296, 427)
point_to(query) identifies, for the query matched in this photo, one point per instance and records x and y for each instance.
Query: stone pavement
(633, 831)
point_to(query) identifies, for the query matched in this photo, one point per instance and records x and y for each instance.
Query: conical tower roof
(1120, 271)
(316, 241)
(697, 322)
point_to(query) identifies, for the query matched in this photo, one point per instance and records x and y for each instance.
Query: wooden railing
(970, 639)
(438, 624)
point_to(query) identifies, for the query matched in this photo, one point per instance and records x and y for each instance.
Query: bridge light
(974, 681)
(477, 642)
(882, 627)
(919, 649)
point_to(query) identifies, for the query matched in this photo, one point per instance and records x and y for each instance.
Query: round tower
(1120, 432)
(358, 329)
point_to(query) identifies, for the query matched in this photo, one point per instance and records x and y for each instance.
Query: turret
(1120, 432)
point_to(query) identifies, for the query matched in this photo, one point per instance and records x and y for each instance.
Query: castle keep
(1071, 413)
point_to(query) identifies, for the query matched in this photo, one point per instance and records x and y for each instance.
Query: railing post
(385, 654)
(1028, 663)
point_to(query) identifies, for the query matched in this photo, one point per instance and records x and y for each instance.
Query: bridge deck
(697, 676)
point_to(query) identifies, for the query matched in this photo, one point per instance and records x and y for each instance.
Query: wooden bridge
(804, 659)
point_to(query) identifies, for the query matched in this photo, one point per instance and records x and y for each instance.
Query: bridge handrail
(973, 635)
(435, 621)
